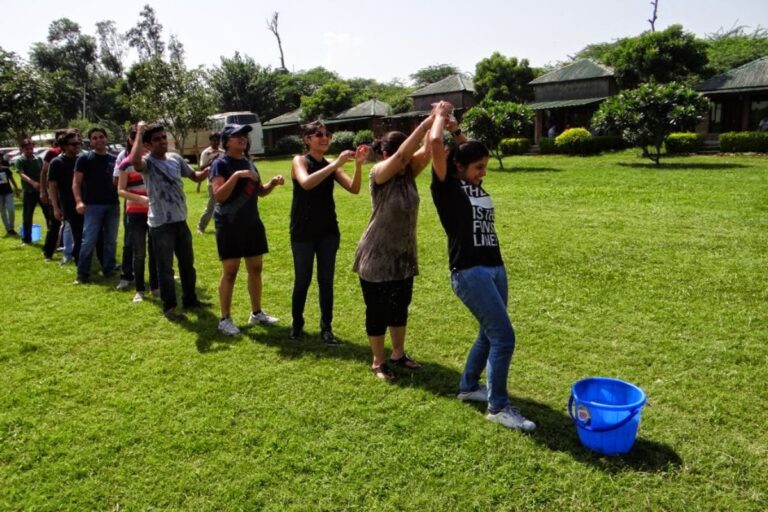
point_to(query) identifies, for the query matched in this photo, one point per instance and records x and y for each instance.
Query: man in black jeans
(30, 168)
(162, 172)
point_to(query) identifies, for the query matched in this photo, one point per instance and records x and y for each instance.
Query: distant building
(569, 96)
(368, 115)
(280, 126)
(739, 99)
(457, 89)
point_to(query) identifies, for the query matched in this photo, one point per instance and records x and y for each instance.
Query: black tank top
(313, 212)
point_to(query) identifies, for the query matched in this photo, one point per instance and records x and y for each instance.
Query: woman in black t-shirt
(314, 228)
(478, 276)
(240, 233)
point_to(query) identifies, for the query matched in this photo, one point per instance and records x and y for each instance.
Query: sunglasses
(321, 134)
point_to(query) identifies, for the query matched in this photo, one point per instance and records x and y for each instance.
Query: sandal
(405, 362)
(383, 372)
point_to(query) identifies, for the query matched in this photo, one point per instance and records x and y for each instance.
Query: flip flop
(405, 362)
(383, 372)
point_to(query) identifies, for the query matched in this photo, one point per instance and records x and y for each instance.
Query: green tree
(327, 101)
(732, 48)
(645, 116)
(492, 121)
(499, 78)
(170, 93)
(432, 74)
(241, 84)
(666, 56)
(112, 47)
(147, 36)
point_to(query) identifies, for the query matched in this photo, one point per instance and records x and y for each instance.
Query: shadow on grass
(682, 166)
(526, 169)
(555, 429)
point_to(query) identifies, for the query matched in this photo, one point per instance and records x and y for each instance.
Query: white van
(197, 140)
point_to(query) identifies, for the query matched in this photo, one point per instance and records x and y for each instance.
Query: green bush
(547, 146)
(744, 142)
(363, 137)
(341, 141)
(575, 141)
(289, 145)
(514, 146)
(683, 142)
(608, 143)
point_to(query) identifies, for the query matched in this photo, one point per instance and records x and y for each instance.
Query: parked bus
(197, 140)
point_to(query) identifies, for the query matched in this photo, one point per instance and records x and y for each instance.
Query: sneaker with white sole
(228, 327)
(510, 417)
(139, 297)
(123, 285)
(478, 395)
(260, 317)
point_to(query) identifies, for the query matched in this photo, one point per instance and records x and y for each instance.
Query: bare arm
(439, 158)
(384, 171)
(269, 187)
(29, 181)
(53, 193)
(353, 185)
(77, 187)
(300, 170)
(137, 151)
(122, 191)
(421, 157)
(44, 183)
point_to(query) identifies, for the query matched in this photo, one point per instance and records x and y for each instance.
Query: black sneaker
(174, 316)
(296, 333)
(328, 338)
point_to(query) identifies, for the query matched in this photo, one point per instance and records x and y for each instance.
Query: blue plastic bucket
(606, 413)
(36, 233)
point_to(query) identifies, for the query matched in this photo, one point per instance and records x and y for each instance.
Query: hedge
(744, 142)
(687, 142)
(288, 145)
(341, 141)
(575, 141)
(363, 137)
(514, 146)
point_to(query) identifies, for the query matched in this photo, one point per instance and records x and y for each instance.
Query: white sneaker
(510, 417)
(262, 318)
(122, 285)
(478, 395)
(228, 327)
(139, 297)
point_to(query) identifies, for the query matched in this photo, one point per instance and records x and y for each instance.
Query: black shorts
(386, 304)
(241, 240)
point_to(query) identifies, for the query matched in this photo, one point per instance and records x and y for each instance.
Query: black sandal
(405, 362)
(383, 372)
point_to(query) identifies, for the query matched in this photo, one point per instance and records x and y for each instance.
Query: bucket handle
(601, 429)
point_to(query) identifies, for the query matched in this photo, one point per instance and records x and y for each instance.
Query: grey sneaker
(123, 285)
(478, 395)
(510, 417)
(139, 297)
(262, 318)
(228, 327)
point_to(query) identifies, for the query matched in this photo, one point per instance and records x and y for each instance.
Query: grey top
(167, 202)
(387, 249)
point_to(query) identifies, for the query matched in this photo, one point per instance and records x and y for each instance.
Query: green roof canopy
(584, 69)
(289, 118)
(367, 109)
(549, 105)
(452, 83)
(752, 75)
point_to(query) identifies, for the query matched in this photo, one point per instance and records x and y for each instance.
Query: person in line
(386, 259)
(96, 199)
(130, 185)
(7, 208)
(240, 234)
(314, 227)
(478, 276)
(30, 167)
(207, 157)
(167, 217)
(60, 176)
(126, 268)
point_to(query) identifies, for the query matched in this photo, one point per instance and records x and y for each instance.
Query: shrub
(683, 142)
(514, 146)
(575, 141)
(608, 143)
(743, 142)
(547, 146)
(363, 137)
(341, 141)
(289, 145)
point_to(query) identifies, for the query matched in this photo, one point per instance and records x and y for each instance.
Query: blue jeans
(484, 291)
(304, 254)
(99, 218)
(7, 211)
(69, 243)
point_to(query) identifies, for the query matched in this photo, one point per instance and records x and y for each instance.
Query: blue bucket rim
(625, 407)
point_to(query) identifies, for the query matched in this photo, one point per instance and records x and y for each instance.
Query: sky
(384, 40)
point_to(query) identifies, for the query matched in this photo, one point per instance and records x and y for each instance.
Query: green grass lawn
(653, 275)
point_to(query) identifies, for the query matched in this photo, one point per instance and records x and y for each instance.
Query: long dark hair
(465, 154)
(390, 142)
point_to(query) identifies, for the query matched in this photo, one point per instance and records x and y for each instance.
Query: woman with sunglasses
(314, 227)
(385, 259)
(478, 276)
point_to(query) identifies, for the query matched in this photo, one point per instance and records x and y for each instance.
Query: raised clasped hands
(345, 156)
(361, 153)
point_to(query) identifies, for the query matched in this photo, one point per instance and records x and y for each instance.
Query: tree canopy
(432, 74)
(492, 121)
(500, 78)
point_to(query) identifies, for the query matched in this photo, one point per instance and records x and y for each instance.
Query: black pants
(30, 200)
(304, 254)
(126, 272)
(136, 233)
(386, 304)
(170, 239)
